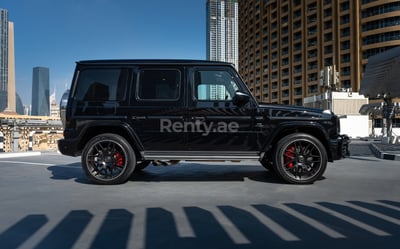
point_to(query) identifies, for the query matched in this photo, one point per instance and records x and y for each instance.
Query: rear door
(157, 103)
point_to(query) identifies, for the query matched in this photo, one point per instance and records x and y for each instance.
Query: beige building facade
(20, 133)
(11, 69)
(284, 44)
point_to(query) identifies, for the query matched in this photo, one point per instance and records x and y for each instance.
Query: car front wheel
(300, 158)
(108, 159)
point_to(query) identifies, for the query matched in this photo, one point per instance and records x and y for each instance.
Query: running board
(201, 155)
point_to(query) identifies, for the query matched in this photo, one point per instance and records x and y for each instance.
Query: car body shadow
(71, 171)
(199, 172)
(181, 172)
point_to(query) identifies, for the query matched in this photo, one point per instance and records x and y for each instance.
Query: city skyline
(77, 30)
(148, 35)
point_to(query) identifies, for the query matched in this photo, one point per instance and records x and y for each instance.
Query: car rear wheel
(108, 159)
(300, 158)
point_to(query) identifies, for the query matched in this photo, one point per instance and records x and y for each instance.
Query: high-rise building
(284, 44)
(54, 107)
(40, 92)
(7, 67)
(211, 92)
(11, 104)
(222, 31)
(3, 59)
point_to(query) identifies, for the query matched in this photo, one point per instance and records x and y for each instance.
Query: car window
(211, 85)
(102, 85)
(160, 84)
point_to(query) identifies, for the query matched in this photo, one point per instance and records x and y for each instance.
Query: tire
(141, 165)
(108, 159)
(300, 158)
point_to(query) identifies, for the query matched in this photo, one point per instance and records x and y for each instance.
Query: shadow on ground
(181, 172)
(291, 225)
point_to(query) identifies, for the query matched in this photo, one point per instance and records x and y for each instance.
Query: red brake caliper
(119, 162)
(289, 155)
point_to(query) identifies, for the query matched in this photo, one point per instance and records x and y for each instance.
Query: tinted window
(102, 85)
(214, 85)
(158, 84)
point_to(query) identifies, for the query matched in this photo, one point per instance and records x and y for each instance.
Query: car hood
(297, 112)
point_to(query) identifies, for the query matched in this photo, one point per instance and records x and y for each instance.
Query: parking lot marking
(374, 213)
(314, 223)
(233, 232)
(28, 163)
(20, 154)
(138, 233)
(90, 231)
(183, 226)
(354, 222)
(276, 228)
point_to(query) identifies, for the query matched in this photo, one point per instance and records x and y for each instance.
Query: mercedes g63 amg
(122, 115)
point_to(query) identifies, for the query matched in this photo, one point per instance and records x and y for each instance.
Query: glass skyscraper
(40, 92)
(7, 70)
(3, 59)
(222, 31)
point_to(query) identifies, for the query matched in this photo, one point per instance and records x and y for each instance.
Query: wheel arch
(121, 129)
(314, 130)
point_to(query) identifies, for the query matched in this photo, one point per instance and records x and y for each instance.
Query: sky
(57, 33)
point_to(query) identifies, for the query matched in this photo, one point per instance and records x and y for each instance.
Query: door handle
(138, 117)
(199, 119)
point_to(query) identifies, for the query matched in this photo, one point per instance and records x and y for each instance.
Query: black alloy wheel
(108, 159)
(300, 158)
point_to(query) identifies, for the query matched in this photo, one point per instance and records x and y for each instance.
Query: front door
(214, 122)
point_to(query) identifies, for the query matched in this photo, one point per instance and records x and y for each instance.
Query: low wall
(20, 135)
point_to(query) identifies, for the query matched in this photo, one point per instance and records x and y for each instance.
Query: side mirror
(240, 98)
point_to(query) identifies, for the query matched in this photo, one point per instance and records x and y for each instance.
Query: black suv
(122, 115)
